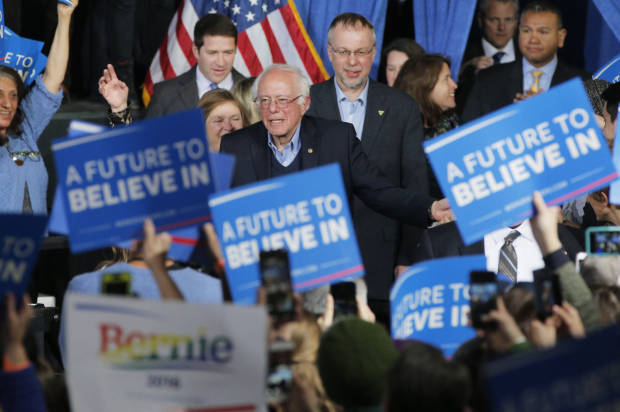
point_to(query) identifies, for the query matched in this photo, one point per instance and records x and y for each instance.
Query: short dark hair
(213, 25)
(423, 380)
(351, 20)
(612, 96)
(402, 44)
(15, 126)
(483, 5)
(417, 78)
(539, 6)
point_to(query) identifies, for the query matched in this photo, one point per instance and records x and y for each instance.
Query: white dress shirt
(529, 257)
(509, 50)
(204, 84)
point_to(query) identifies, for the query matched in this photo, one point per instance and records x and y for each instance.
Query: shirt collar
(490, 50)
(548, 68)
(204, 84)
(293, 144)
(525, 229)
(340, 96)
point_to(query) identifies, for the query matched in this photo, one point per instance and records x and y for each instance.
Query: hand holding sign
(65, 9)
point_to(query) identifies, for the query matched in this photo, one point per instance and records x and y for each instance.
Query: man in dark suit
(540, 35)
(286, 141)
(498, 21)
(388, 123)
(445, 241)
(215, 45)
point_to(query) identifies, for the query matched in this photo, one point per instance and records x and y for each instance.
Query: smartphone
(280, 375)
(118, 283)
(276, 278)
(603, 240)
(344, 299)
(483, 292)
(547, 292)
(579, 258)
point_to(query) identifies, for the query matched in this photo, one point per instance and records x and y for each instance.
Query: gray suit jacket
(392, 140)
(178, 94)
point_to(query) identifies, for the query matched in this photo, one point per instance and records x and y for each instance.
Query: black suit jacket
(178, 94)
(392, 140)
(445, 241)
(467, 77)
(324, 142)
(497, 86)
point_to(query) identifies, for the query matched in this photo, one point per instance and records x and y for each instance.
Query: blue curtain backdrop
(602, 34)
(318, 14)
(442, 26)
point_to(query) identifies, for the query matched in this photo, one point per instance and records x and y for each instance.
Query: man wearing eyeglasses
(388, 123)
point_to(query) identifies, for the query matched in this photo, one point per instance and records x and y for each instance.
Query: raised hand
(113, 90)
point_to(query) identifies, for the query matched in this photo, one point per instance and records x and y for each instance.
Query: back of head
(422, 380)
(213, 24)
(611, 95)
(601, 271)
(594, 90)
(242, 90)
(354, 359)
(405, 45)
(417, 78)
(608, 300)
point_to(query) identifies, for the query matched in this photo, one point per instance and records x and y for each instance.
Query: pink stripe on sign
(584, 189)
(332, 276)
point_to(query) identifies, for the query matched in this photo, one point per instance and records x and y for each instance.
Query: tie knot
(213, 86)
(536, 76)
(512, 236)
(497, 57)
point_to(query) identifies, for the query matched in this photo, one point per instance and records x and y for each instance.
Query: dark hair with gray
(402, 44)
(301, 81)
(483, 5)
(15, 126)
(351, 21)
(539, 6)
(213, 25)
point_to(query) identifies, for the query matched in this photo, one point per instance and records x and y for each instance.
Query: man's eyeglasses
(281, 102)
(20, 156)
(347, 53)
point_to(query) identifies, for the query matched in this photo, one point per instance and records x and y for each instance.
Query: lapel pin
(310, 150)
(381, 112)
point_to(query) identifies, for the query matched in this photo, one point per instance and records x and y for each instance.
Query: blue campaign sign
(1, 20)
(576, 375)
(489, 168)
(20, 239)
(430, 302)
(112, 181)
(306, 213)
(614, 188)
(610, 71)
(23, 55)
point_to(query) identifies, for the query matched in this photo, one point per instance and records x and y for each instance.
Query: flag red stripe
(300, 44)
(184, 39)
(164, 61)
(274, 47)
(148, 83)
(246, 49)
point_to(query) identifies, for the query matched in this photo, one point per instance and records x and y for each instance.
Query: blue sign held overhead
(489, 168)
(430, 302)
(112, 181)
(614, 188)
(23, 55)
(306, 213)
(20, 240)
(610, 71)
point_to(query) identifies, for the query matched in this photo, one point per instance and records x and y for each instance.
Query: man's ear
(605, 199)
(479, 17)
(195, 51)
(306, 105)
(561, 37)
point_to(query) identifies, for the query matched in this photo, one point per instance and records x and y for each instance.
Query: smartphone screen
(547, 293)
(603, 240)
(483, 293)
(344, 299)
(116, 284)
(276, 278)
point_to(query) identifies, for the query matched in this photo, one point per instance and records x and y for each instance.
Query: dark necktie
(508, 257)
(213, 86)
(497, 57)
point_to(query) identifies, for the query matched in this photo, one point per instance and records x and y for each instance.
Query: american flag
(270, 31)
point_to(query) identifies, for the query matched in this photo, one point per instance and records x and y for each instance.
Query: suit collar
(325, 100)
(375, 113)
(260, 153)
(309, 144)
(188, 89)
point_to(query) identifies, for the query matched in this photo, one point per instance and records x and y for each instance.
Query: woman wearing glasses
(23, 116)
